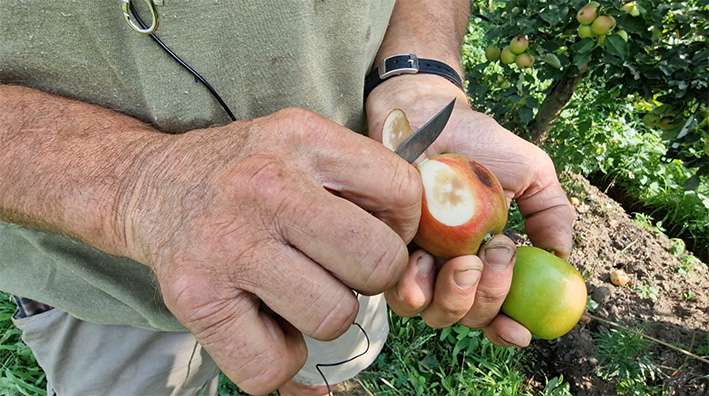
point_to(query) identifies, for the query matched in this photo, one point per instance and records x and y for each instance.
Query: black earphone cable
(184, 64)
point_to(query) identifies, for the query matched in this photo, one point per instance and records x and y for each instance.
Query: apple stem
(678, 349)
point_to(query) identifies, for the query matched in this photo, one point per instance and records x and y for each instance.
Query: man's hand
(471, 289)
(257, 231)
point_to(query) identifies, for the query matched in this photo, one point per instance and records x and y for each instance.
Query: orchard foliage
(652, 51)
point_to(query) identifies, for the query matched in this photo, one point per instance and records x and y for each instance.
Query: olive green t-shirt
(260, 56)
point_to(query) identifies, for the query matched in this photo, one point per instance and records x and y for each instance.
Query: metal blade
(417, 143)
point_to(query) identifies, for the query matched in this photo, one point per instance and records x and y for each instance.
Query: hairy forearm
(429, 29)
(66, 166)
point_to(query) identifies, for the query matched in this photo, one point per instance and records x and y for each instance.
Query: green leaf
(692, 183)
(582, 58)
(552, 60)
(585, 45)
(617, 46)
(525, 114)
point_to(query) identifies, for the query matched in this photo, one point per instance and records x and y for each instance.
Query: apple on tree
(584, 31)
(524, 60)
(507, 56)
(603, 25)
(519, 44)
(492, 53)
(587, 14)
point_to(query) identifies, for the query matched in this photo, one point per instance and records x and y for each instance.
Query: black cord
(319, 365)
(183, 64)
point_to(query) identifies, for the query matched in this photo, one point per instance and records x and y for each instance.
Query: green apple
(492, 53)
(507, 56)
(623, 34)
(524, 60)
(584, 31)
(587, 14)
(519, 44)
(603, 25)
(463, 204)
(547, 295)
(631, 8)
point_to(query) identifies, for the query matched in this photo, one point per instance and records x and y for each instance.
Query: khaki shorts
(87, 359)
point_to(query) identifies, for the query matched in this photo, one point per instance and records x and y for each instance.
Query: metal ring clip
(129, 17)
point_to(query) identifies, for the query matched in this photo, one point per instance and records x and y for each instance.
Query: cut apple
(462, 203)
(396, 129)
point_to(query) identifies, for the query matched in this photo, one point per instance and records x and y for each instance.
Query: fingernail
(499, 257)
(465, 279)
(424, 264)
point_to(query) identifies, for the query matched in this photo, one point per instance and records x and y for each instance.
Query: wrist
(409, 64)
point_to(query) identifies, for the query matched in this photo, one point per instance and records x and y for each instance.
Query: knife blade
(417, 143)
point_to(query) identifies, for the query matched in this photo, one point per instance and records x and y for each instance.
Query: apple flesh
(547, 295)
(463, 204)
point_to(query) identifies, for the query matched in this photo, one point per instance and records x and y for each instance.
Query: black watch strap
(408, 64)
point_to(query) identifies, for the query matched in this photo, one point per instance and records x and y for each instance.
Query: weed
(19, 372)
(647, 291)
(626, 358)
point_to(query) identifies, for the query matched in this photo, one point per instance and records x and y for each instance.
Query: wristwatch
(408, 64)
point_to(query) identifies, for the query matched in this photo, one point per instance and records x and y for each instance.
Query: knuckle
(266, 369)
(493, 296)
(338, 320)
(389, 262)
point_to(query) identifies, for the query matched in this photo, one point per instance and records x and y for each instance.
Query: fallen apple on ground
(547, 295)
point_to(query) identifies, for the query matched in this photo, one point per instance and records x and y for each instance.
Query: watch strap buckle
(398, 64)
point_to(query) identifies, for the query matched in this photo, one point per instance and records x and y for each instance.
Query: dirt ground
(675, 311)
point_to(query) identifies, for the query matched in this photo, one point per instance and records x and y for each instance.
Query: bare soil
(661, 301)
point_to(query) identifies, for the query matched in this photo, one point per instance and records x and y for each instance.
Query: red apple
(603, 25)
(547, 295)
(519, 44)
(507, 56)
(586, 15)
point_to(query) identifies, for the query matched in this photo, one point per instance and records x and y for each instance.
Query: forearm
(67, 166)
(429, 29)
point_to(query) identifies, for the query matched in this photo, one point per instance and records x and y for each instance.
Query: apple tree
(651, 50)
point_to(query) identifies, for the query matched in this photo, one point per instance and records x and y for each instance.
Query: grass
(19, 373)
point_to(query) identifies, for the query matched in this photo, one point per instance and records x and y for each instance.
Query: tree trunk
(559, 95)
